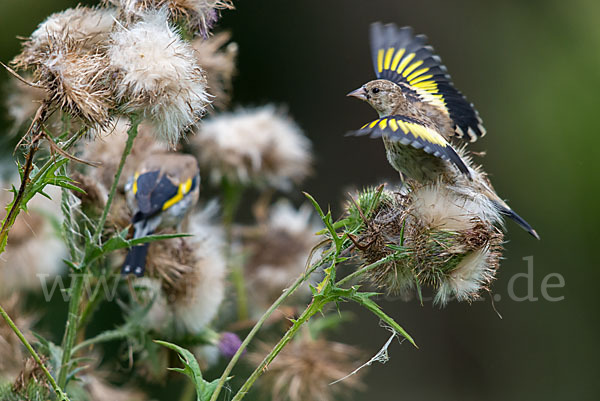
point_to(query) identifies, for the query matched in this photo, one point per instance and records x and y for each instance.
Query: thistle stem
(71, 328)
(313, 308)
(59, 393)
(131, 134)
(302, 278)
(232, 195)
(77, 283)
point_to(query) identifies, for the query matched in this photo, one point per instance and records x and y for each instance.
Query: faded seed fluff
(305, 368)
(260, 146)
(188, 277)
(277, 253)
(66, 57)
(156, 74)
(86, 27)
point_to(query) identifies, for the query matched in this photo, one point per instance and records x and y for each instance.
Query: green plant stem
(59, 393)
(50, 162)
(71, 328)
(301, 279)
(131, 134)
(77, 283)
(232, 195)
(314, 307)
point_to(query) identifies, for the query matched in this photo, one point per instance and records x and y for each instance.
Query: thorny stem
(131, 134)
(302, 278)
(313, 308)
(59, 393)
(77, 283)
(36, 129)
(71, 328)
(11, 217)
(65, 147)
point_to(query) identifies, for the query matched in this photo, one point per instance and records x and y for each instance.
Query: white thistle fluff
(211, 269)
(261, 146)
(472, 274)
(157, 75)
(205, 285)
(452, 208)
(279, 255)
(89, 25)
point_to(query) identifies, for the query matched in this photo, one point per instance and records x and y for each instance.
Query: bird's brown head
(383, 95)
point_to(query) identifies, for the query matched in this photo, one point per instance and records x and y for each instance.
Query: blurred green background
(533, 70)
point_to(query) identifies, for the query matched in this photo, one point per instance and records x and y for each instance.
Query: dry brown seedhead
(305, 368)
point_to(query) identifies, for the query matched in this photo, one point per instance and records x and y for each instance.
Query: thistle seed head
(439, 240)
(156, 74)
(254, 146)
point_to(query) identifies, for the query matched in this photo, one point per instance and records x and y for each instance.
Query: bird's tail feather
(135, 261)
(506, 211)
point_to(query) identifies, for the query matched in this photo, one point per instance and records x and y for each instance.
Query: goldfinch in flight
(420, 112)
(160, 194)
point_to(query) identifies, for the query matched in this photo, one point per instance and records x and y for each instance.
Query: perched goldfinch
(159, 195)
(419, 112)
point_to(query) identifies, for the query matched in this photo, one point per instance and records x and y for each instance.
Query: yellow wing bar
(411, 132)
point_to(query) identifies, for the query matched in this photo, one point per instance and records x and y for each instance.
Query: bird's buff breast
(414, 163)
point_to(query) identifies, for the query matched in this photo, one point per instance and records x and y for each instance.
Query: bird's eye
(375, 90)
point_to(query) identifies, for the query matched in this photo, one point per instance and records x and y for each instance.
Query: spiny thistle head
(65, 55)
(156, 74)
(306, 367)
(199, 16)
(443, 244)
(85, 28)
(260, 146)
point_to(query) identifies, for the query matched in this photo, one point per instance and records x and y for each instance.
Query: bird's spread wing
(413, 133)
(155, 192)
(403, 58)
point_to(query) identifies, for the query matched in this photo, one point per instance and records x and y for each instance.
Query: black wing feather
(153, 190)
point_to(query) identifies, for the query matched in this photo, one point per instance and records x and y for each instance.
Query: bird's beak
(360, 93)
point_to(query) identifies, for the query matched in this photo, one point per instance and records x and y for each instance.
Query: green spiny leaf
(191, 369)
